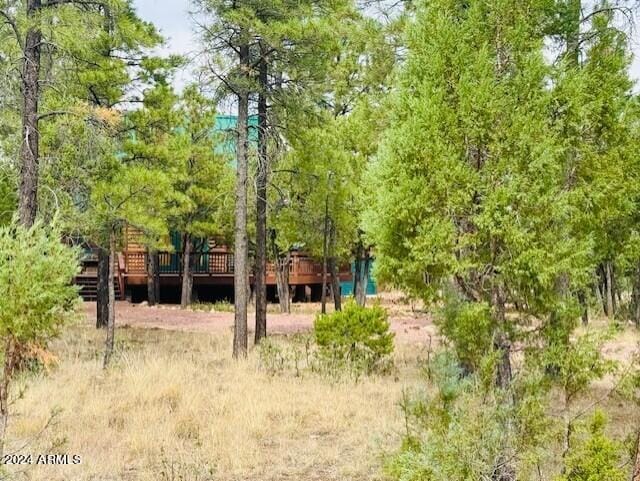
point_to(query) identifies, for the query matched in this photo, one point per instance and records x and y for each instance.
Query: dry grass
(175, 407)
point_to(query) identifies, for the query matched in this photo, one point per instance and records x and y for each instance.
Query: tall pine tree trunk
(153, 278)
(282, 262)
(602, 287)
(365, 277)
(361, 277)
(582, 301)
(597, 290)
(282, 282)
(102, 289)
(333, 267)
(241, 250)
(610, 311)
(29, 147)
(325, 255)
(111, 322)
(615, 292)
(357, 266)
(261, 206)
(335, 284)
(187, 273)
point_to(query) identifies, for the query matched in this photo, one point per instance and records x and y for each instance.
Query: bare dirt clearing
(410, 327)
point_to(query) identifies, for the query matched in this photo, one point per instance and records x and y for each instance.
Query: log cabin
(213, 271)
(212, 261)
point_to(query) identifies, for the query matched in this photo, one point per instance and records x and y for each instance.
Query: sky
(172, 18)
(175, 23)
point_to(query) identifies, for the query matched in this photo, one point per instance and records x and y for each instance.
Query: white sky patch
(172, 18)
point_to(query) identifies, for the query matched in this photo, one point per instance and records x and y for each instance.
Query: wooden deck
(214, 265)
(217, 267)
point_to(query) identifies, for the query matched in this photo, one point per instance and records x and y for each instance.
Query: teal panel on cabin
(201, 262)
(229, 122)
(346, 288)
(174, 257)
(174, 264)
(225, 127)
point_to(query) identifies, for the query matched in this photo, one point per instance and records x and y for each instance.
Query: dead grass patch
(174, 406)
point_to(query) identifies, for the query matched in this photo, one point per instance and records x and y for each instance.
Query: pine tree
(152, 143)
(331, 135)
(41, 31)
(471, 194)
(91, 78)
(135, 195)
(265, 42)
(226, 35)
(596, 115)
(302, 55)
(204, 182)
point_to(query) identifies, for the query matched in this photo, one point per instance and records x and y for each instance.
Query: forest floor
(410, 326)
(174, 406)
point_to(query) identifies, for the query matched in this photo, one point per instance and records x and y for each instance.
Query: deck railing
(135, 262)
(220, 263)
(212, 263)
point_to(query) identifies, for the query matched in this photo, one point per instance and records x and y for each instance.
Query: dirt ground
(409, 327)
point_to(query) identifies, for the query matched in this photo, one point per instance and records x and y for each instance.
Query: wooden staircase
(88, 287)
(88, 284)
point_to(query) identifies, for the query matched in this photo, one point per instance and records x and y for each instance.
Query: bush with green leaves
(459, 427)
(37, 294)
(593, 455)
(469, 327)
(357, 338)
(578, 363)
(291, 355)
